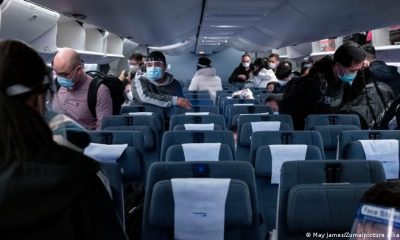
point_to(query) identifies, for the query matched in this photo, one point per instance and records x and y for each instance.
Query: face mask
(245, 64)
(282, 83)
(65, 82)
(272, 65)
(129, 95)
(154, 73)
(347, 77)
(134, 67)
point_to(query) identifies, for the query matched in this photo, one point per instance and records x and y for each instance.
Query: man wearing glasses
(157, 87)
(71, 98)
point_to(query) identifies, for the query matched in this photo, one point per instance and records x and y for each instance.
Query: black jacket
(319, 92)
(56, 196)
(240, 70)
(387, 74)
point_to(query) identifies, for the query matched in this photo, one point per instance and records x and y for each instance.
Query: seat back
(241, 210)
(283, 137)
(264, 118)
(233, 112)
(197, 119)
(247, 130)
(158, 111)
(188, 136)
(113, 173)
(322, 196)
(197, 96)
(210, 109)
(132, 159)
(195, 126)
(329, 134)
(383, 150)
(265, 168)
(231, 101)
(331, 119)
(200, 102)
(199, 151)
(346, 137)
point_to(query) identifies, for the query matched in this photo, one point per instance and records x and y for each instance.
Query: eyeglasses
(66, 75)
(154, 64)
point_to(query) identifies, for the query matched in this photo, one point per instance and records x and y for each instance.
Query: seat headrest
(238, 209)
(263, 163)
(330, 133)
(250, 127)
(148, 136)
(324, 207)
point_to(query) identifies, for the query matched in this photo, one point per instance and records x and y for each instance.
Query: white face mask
(129, 95)
(282, 83)
(272, 65)
(245, 64)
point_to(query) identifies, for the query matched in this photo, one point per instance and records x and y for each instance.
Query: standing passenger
(72, 97)
(48, 191)
(326, 88)
(242, 73)
(206, 78)
(261, 76)
(273, 61)
(157, 87)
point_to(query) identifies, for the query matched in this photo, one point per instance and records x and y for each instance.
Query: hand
(122, 76)
(242, 76)
(184, 103)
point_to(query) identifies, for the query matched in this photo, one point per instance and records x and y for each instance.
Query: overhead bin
(30, 23)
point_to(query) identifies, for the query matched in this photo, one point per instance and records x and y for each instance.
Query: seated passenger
(72, 97)
(378, 216)
(273, 103)
(206, 78)
(157, 87)
(261, 76)
(284, 75)
(271, 87)
(49, 191)
(242, 73)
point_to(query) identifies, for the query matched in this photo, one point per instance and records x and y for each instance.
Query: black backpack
(115, 86)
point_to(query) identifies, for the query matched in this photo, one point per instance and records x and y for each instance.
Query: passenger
(271, 87)
(135, 64)
(242, 72)
(327, 87)
(71, 98)
(273, 103)
(381, 71)
(306, 66)
(284, 75)
(261, 76)
(378, 214)
(49, 191)
(157, 87)
(273, 61)
(206, 78)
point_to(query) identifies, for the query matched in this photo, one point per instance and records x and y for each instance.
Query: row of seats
(304, 190)
(176, 146)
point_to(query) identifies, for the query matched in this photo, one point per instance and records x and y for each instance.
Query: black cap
(203, 62)
(156, 56)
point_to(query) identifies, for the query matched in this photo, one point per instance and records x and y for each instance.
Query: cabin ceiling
(209, 26)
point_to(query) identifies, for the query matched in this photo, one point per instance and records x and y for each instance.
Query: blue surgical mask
(65, 82)
(347, 77)
(154, 73)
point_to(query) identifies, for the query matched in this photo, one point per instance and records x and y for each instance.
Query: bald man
(71, 98)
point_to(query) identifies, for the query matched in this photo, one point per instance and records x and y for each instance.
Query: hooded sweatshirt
(206, 79)
(56, 196)
(146, 91)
